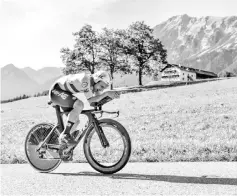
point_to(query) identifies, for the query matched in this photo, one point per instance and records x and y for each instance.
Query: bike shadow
(165, 178)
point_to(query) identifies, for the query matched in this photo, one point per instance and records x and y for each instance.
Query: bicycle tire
(127, 148)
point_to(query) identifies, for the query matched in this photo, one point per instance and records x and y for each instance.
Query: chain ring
(64, 154)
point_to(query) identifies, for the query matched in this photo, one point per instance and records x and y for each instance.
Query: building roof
(198, 71)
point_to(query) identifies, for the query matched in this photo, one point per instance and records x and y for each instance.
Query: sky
(32, 32)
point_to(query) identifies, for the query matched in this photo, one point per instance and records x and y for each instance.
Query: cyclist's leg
(71, 124)
(74, 127)
(67, 101)
(73, 117)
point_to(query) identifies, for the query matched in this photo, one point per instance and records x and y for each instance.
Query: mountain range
(16, 82)
(207, 43)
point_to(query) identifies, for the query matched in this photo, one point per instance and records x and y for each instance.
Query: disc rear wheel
(42, 159)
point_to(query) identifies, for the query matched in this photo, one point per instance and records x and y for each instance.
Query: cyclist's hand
(117, 95)
(113, 94)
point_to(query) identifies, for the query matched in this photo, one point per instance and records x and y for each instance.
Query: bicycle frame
(92, 122)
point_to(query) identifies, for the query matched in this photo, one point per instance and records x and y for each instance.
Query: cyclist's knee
(78, 105)
(73, 116)
(77, 108)
(77, 121)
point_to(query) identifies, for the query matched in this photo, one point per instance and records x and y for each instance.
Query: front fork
(101, 135)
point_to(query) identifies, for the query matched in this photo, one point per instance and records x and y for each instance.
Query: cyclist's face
(100, 86)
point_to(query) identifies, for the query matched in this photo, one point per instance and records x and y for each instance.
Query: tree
(145, 51)
(67, 58)
(111, 53)
(86, 49)
(226, 74)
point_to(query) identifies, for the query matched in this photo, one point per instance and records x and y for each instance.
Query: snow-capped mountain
(208, 43)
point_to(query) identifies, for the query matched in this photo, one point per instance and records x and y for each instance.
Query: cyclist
(62, 91)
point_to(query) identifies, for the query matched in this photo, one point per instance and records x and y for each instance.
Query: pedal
(66, 153)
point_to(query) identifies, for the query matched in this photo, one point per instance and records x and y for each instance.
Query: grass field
(186, 123)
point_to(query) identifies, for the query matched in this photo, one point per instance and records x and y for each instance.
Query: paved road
(207, 178)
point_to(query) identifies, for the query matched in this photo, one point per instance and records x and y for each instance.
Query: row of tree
(24, 96)
(16, 98)
(118, 51)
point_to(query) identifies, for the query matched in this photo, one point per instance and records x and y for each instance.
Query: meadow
(185, 123)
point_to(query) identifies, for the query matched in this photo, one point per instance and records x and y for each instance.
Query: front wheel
(112, 158)
(43, 159)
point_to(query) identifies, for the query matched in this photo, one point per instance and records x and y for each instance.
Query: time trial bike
(107, 144)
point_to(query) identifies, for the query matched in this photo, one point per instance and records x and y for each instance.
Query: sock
(68, 127)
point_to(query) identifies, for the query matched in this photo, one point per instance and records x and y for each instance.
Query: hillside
(208, 43)
(187, 123)
(15, 82)
(127, 80)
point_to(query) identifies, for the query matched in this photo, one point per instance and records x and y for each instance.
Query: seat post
(59, 117)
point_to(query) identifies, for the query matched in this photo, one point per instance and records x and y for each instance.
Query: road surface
(204, 178)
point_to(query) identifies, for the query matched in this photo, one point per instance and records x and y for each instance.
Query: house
(173, 72)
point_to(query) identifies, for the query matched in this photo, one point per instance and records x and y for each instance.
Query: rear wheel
(43, 159)
(112, 158)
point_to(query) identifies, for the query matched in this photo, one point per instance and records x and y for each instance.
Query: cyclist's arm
(97, 98)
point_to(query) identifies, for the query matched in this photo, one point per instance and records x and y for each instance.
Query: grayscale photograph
(118, 97)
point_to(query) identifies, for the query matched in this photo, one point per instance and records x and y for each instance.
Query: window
(171, 76)
(174, 76)
(171, 71)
